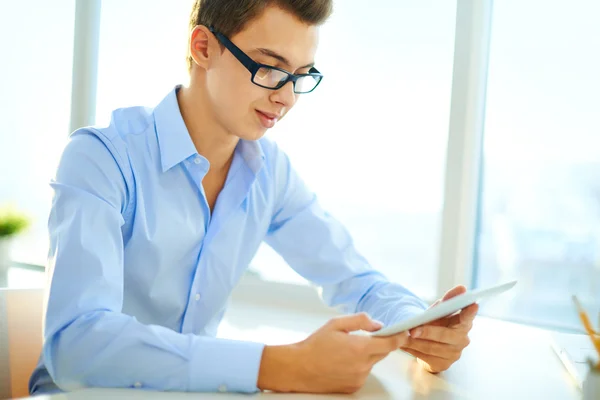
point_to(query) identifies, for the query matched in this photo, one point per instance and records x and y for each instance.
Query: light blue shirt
(141, 271)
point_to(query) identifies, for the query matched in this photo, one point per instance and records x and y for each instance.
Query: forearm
(369, 291)
(105, 349)
(279, 370)
(389, 303)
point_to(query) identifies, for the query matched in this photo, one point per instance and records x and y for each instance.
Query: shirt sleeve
(88, 341)
(319, 248)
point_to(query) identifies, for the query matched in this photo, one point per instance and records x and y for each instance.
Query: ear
(202, 46)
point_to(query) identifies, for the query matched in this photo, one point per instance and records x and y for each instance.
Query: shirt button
(197, 160)
(138, 385)
(197, 297)
(222, 388)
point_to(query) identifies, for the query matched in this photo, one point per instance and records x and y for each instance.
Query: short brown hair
(231, 16)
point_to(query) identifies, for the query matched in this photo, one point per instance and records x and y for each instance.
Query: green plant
(12, 222)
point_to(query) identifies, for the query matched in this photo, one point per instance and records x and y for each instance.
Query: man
(156, 217)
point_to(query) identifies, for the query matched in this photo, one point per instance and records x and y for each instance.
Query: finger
(467, 315)
(464, 319)
(426, 357)
(436, 364)
(387, 344)
(441, 335)
(445, 321)
(441, 350)
(455, 291)
(471, 311)
(355, 322)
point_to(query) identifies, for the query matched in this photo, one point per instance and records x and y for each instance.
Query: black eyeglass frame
(253, 67)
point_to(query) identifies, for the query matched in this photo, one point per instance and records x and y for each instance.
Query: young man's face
(243, 108)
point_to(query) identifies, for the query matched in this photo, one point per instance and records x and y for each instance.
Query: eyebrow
(279, 57)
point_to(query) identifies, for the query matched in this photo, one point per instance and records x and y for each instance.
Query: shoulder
(126, 124)
(112, 145)
(96, 159)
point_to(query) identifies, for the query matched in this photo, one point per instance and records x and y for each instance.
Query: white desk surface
(504, 361)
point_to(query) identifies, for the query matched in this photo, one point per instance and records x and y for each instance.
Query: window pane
(540, 219)
(36, 38)
(142, 52)
(371, 139)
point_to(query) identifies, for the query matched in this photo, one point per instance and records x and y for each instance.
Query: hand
(440, 343)
(330, 360)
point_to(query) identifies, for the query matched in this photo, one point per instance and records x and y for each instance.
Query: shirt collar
(173, 137)
(252, 153)
(176, 144)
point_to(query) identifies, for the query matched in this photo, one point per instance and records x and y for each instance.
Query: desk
(504, 361)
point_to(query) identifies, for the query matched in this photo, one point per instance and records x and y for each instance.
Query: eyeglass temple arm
(236, 51)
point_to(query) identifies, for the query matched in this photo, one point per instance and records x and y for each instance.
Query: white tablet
(444, 309)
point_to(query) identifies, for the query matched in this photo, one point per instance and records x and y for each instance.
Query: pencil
(588, 328)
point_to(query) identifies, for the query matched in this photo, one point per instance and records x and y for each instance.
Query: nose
(285, 95)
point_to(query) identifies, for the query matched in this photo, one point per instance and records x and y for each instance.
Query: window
(142, 52)
(36, 38)
(377, 127)
(540, 201)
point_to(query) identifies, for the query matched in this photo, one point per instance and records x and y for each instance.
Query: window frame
(458, 234)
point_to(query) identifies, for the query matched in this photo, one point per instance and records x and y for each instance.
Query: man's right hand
(330, 360)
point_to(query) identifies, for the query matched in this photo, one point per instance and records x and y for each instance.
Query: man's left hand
(439, 344)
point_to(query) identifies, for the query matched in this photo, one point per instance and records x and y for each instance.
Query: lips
(267, 119)
(270, 115)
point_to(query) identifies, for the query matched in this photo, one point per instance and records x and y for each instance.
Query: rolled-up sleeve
(89, 342)
(319, 248)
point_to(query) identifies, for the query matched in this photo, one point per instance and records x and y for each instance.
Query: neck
(210, 139)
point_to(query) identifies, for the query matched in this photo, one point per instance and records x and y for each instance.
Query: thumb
(455, 291)
(355, 322)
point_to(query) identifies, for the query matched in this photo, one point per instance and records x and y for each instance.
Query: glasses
(270, 77)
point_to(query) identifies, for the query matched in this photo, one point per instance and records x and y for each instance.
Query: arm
(320, 249)
(88, 340)
(330, 360)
